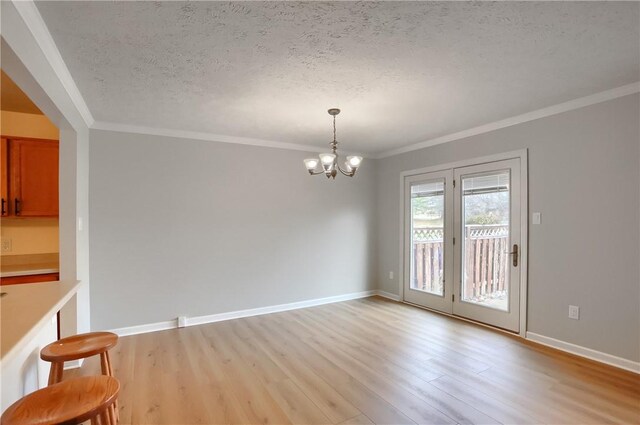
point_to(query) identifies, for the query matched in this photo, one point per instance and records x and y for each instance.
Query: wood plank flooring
(360, 362)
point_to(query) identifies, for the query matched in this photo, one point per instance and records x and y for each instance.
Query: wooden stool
(80, 347)
(70, 402)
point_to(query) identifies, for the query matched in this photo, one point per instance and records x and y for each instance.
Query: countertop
(27, 265)
(26, 308)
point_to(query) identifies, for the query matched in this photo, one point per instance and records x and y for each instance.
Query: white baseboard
(578, 350)
(388, 295)
(143, 329)
(212, 318)
(200, 320)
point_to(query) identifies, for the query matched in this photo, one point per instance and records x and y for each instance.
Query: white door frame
(521, 154)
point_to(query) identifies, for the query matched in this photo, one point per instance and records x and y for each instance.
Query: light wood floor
(360, 362)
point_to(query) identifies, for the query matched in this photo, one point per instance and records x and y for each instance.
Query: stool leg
(116, 410)
(104, 364)
(111, 414)
(108, 358)
(105, 418)
(55, 373)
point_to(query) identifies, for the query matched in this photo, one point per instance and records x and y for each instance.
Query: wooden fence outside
(486, 263)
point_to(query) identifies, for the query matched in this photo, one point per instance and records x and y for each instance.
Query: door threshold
(464, 319)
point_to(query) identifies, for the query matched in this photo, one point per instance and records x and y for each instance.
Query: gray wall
(584, 179)
(185, 227)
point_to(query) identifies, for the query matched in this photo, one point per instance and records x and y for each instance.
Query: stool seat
(72, 401)
(78, 346)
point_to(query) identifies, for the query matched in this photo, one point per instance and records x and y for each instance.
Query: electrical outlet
(6, 245)
(390, 275)
(182, 321)
(574, 312)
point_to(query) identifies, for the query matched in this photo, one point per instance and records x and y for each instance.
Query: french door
(462, 243)
(428, 278)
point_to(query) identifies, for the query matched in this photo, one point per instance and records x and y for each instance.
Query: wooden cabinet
(30, 177)
(4, 176)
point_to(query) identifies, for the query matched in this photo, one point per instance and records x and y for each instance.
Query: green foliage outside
(480, 209)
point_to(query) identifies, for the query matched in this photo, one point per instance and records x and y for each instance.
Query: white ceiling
(402, 72)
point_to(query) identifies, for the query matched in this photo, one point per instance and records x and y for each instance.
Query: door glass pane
(485, 249)
(427, 231)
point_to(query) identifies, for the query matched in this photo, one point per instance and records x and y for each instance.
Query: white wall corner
(388, 295)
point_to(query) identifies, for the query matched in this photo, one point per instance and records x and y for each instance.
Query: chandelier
(329, 161)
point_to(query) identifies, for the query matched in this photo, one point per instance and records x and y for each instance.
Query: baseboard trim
(389, 295)
(588, 353)
(238, 314)
(146, 328)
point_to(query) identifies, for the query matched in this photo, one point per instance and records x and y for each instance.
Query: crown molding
(197, 135)
(38, 28)
(519, 119)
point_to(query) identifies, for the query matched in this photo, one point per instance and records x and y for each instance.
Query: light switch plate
(536, 218)
(390, 275)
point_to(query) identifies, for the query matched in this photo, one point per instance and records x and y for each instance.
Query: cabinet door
(4, 176)
(33, 176)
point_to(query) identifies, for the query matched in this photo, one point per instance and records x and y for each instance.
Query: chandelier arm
(315, 173)
(348, 174)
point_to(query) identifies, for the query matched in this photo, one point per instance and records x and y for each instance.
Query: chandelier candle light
(329, 161)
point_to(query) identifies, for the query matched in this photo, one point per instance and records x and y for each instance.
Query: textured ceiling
(402, 72)
(12, 98)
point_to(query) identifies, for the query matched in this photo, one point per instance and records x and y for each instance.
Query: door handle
(515, 255)
(4, 211)
(16, 205)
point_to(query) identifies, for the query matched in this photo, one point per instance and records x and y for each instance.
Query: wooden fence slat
(418, 266)
(427, 268)
(476, 269)
(468, 274)
(490, 263)
(485, 266)
(438, 268)
(501, 268)
(432, 269)
(504, 258)
(487, 289)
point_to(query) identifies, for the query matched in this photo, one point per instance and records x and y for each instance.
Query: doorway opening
(29, 159)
